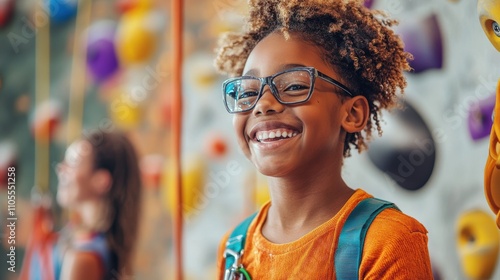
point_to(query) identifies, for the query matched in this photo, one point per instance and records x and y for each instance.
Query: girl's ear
(357, 112)
(101, 181)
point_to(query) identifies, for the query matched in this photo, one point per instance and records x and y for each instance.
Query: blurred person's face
(76, 175)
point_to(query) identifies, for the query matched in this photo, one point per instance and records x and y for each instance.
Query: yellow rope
(78, 72)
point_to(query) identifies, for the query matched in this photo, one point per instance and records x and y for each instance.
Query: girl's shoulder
(390, 219)
(396, 245)
(397, 222)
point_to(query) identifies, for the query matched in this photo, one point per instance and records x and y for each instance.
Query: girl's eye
(295, 87)
(247, 94)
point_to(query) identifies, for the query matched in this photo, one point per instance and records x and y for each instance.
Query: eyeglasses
(292, 86)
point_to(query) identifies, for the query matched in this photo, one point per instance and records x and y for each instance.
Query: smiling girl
(309, 81)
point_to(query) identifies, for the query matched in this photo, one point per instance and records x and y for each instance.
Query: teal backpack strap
(352, 237)
(234, 250)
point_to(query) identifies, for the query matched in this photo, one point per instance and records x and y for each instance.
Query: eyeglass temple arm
(334, 82)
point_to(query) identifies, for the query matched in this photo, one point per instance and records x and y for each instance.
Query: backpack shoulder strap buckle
(235, 255)
(231, 272)
(234, 251)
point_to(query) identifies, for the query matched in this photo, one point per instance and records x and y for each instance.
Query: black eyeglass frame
(313, 72)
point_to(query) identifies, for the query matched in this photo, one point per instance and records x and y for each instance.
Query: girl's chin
(65, 202)
(271, 170)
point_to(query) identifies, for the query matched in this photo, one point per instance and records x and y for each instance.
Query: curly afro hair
(357, 42)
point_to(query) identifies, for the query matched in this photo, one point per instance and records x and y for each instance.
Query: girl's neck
(91, 217)
(302, 203)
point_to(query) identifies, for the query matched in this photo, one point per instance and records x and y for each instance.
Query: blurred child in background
(100, 188)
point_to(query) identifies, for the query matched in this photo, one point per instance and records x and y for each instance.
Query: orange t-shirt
(395, 248)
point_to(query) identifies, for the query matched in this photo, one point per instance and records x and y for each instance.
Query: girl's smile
(270, 131)
(272, 135)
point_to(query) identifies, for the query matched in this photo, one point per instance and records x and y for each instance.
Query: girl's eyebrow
(251, 72)
(254, 72)
(284, 67)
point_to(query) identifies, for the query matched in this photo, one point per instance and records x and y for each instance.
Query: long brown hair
(112, 151)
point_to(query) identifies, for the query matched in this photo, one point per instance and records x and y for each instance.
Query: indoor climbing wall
(431, 157)
(110, 67)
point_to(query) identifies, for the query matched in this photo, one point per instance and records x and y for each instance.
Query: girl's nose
(268, 104)
(60, 168)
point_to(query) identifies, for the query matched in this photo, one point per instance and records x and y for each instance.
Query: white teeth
(263, 135)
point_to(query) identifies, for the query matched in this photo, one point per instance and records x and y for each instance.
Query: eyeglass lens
(289, 87)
